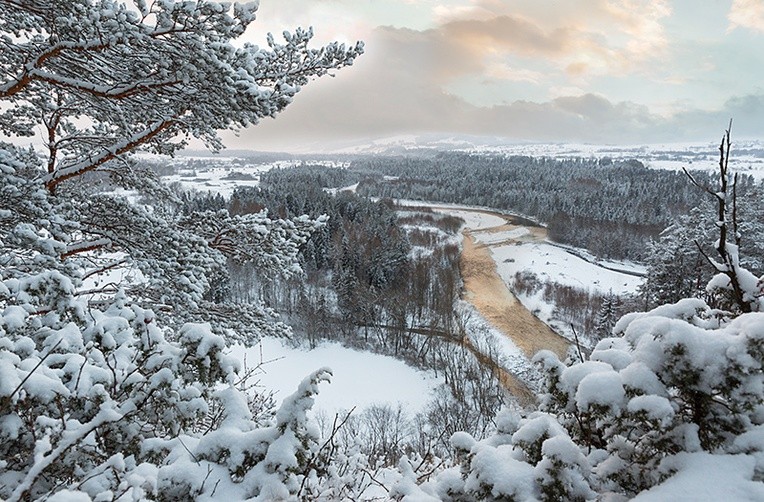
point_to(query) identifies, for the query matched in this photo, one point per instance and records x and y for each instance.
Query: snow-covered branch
(60, 175)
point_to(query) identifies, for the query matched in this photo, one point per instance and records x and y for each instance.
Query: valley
(512, 254)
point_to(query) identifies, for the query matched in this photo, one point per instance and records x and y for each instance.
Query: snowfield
(552, 263)
(747, 154)
(223, 175)
(473, 220)
(216, 179)
(361, 379)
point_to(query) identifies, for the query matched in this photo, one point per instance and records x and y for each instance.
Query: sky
(592, 71)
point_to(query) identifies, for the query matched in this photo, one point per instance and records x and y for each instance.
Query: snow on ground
(498, 237)
(216, 179)
(557, 265)
(474, 220)
(228, 173)
(745, 165)
(481, 333)
(705, 477)
(360, 379)
(475, 217)
(519, 249)
(544, 310)
(626, 266)
(350, 188)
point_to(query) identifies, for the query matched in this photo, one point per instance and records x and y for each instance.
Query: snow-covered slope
(361, 379)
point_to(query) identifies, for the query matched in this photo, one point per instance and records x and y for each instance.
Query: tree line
(610, 208)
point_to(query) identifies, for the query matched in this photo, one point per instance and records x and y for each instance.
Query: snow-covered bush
(106, 405)
(677, 392)
(676, 381)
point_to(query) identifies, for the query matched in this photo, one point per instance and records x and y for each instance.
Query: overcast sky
(596, 71)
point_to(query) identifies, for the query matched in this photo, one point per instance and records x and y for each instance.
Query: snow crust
(552, 263)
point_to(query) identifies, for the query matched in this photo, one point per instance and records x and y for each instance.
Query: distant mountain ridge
(427, 144)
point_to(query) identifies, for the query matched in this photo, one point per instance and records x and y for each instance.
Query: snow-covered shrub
(676, 381)
(532, 458)
(680, 388)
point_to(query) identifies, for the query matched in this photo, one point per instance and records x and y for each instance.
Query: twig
(189, 451)
(335, 429)
(7, 399)
(374, 480)
(578, 345)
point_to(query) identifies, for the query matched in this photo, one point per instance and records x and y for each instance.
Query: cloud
(747, 14)
(568, 58)
(512, 33)
(498, 70)
(588, 36)
(397, 89)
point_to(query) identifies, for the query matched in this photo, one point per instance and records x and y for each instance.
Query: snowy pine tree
(676, 267)
(106, 384)
(607, 316)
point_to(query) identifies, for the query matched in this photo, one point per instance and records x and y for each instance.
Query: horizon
(431, 141)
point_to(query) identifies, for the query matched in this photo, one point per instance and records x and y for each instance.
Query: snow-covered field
(361, 379)
(216, 179)
(493, 238)
(558, 265)
(474, 220)
(747, 156)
